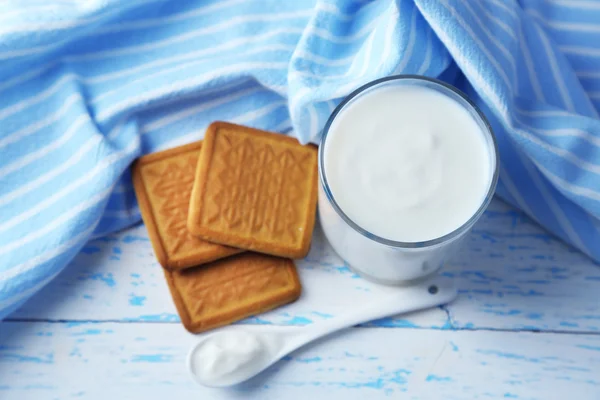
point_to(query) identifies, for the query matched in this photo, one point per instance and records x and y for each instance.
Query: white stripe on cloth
(32, 263)
(72, 211)
(109, 112)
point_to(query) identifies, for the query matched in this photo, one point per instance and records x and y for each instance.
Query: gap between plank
(453, 328)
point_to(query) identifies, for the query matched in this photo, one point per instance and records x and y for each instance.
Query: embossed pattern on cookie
(255, 190)
(231, 289)
(163, 183)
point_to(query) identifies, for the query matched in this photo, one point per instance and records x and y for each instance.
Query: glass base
(388, 282)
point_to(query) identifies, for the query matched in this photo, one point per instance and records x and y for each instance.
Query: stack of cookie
(226, 216)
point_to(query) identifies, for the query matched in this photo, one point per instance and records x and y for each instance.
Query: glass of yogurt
(407, 165)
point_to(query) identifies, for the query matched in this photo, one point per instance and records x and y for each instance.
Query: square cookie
(231, 289)
(163, 182)
(255, 190)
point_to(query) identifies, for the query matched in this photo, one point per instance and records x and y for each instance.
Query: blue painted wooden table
(526, 325)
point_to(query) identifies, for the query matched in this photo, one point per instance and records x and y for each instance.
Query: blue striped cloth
(88, 86)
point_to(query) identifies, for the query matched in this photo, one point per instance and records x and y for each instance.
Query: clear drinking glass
(379, 259)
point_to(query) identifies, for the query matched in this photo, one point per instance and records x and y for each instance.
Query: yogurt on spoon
(226, 356)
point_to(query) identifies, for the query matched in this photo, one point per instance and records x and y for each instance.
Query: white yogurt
(227, 356)
(407, 163)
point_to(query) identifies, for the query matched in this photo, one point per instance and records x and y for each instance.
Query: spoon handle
(424, 295)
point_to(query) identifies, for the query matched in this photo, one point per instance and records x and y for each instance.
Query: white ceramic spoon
(234, 355)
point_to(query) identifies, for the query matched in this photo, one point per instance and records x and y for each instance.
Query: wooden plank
(146, 361)
(511, 275)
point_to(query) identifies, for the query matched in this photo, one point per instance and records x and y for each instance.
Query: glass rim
(394, 243)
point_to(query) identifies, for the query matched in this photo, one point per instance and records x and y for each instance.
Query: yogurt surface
(407, 163)
(227, 356)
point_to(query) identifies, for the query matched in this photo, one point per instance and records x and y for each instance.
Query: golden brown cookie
(163, 183)
(232, 289)
(255, 190)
